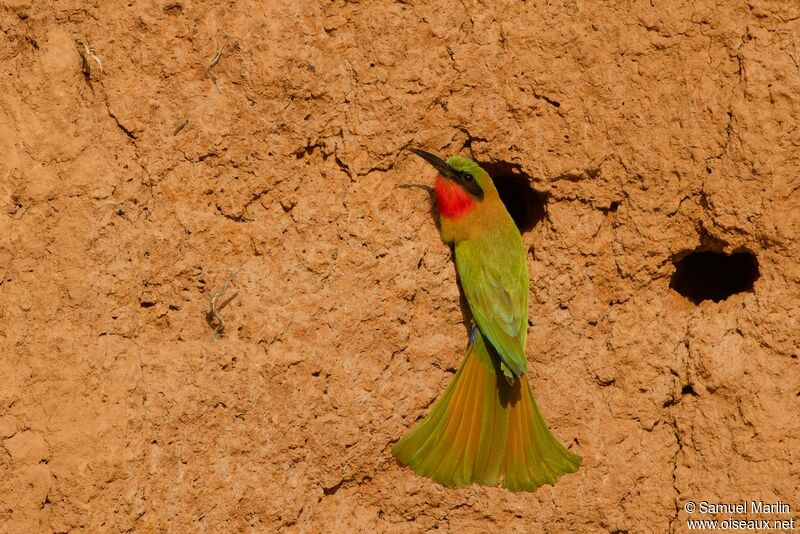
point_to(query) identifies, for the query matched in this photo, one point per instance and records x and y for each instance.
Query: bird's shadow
(466, 314)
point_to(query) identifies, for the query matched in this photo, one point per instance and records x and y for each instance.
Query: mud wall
(152, 149)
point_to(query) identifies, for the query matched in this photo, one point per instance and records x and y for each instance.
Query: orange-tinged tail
(484, 431)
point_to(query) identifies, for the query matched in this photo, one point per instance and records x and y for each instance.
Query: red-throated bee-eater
(485, 428)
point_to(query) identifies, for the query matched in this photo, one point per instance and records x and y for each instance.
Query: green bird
(485, 428)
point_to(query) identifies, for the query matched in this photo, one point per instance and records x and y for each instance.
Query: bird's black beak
(438, 163)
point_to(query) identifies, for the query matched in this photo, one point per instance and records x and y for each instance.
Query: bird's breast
(452, 200)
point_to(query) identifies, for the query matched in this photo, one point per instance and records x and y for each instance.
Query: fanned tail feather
(484, 431)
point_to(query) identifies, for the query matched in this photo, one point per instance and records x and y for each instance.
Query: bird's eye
(467, 177)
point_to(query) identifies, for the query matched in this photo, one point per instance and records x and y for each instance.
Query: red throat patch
(452, 199)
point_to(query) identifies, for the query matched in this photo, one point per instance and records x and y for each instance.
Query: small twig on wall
(213, 313)
(183, 122)
(87, 52)
(91, 54)
(426, 187)
(217, 56)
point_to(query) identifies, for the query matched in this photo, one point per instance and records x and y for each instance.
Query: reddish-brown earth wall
(149, 148)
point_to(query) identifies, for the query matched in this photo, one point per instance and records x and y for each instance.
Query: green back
(494, 277)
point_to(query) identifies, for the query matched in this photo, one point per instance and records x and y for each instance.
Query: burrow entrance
(710, 275)
(525, 205)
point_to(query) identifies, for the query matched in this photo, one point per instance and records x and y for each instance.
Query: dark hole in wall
(526, 206)
(689, 390)
(708, 275)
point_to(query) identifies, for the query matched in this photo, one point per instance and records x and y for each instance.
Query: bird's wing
(498, 299)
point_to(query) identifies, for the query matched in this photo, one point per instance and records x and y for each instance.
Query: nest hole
(709, 275)
(525, 205)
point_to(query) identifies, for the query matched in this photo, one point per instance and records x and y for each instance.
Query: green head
(461, 171)
(466, 165)
(461, 184)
